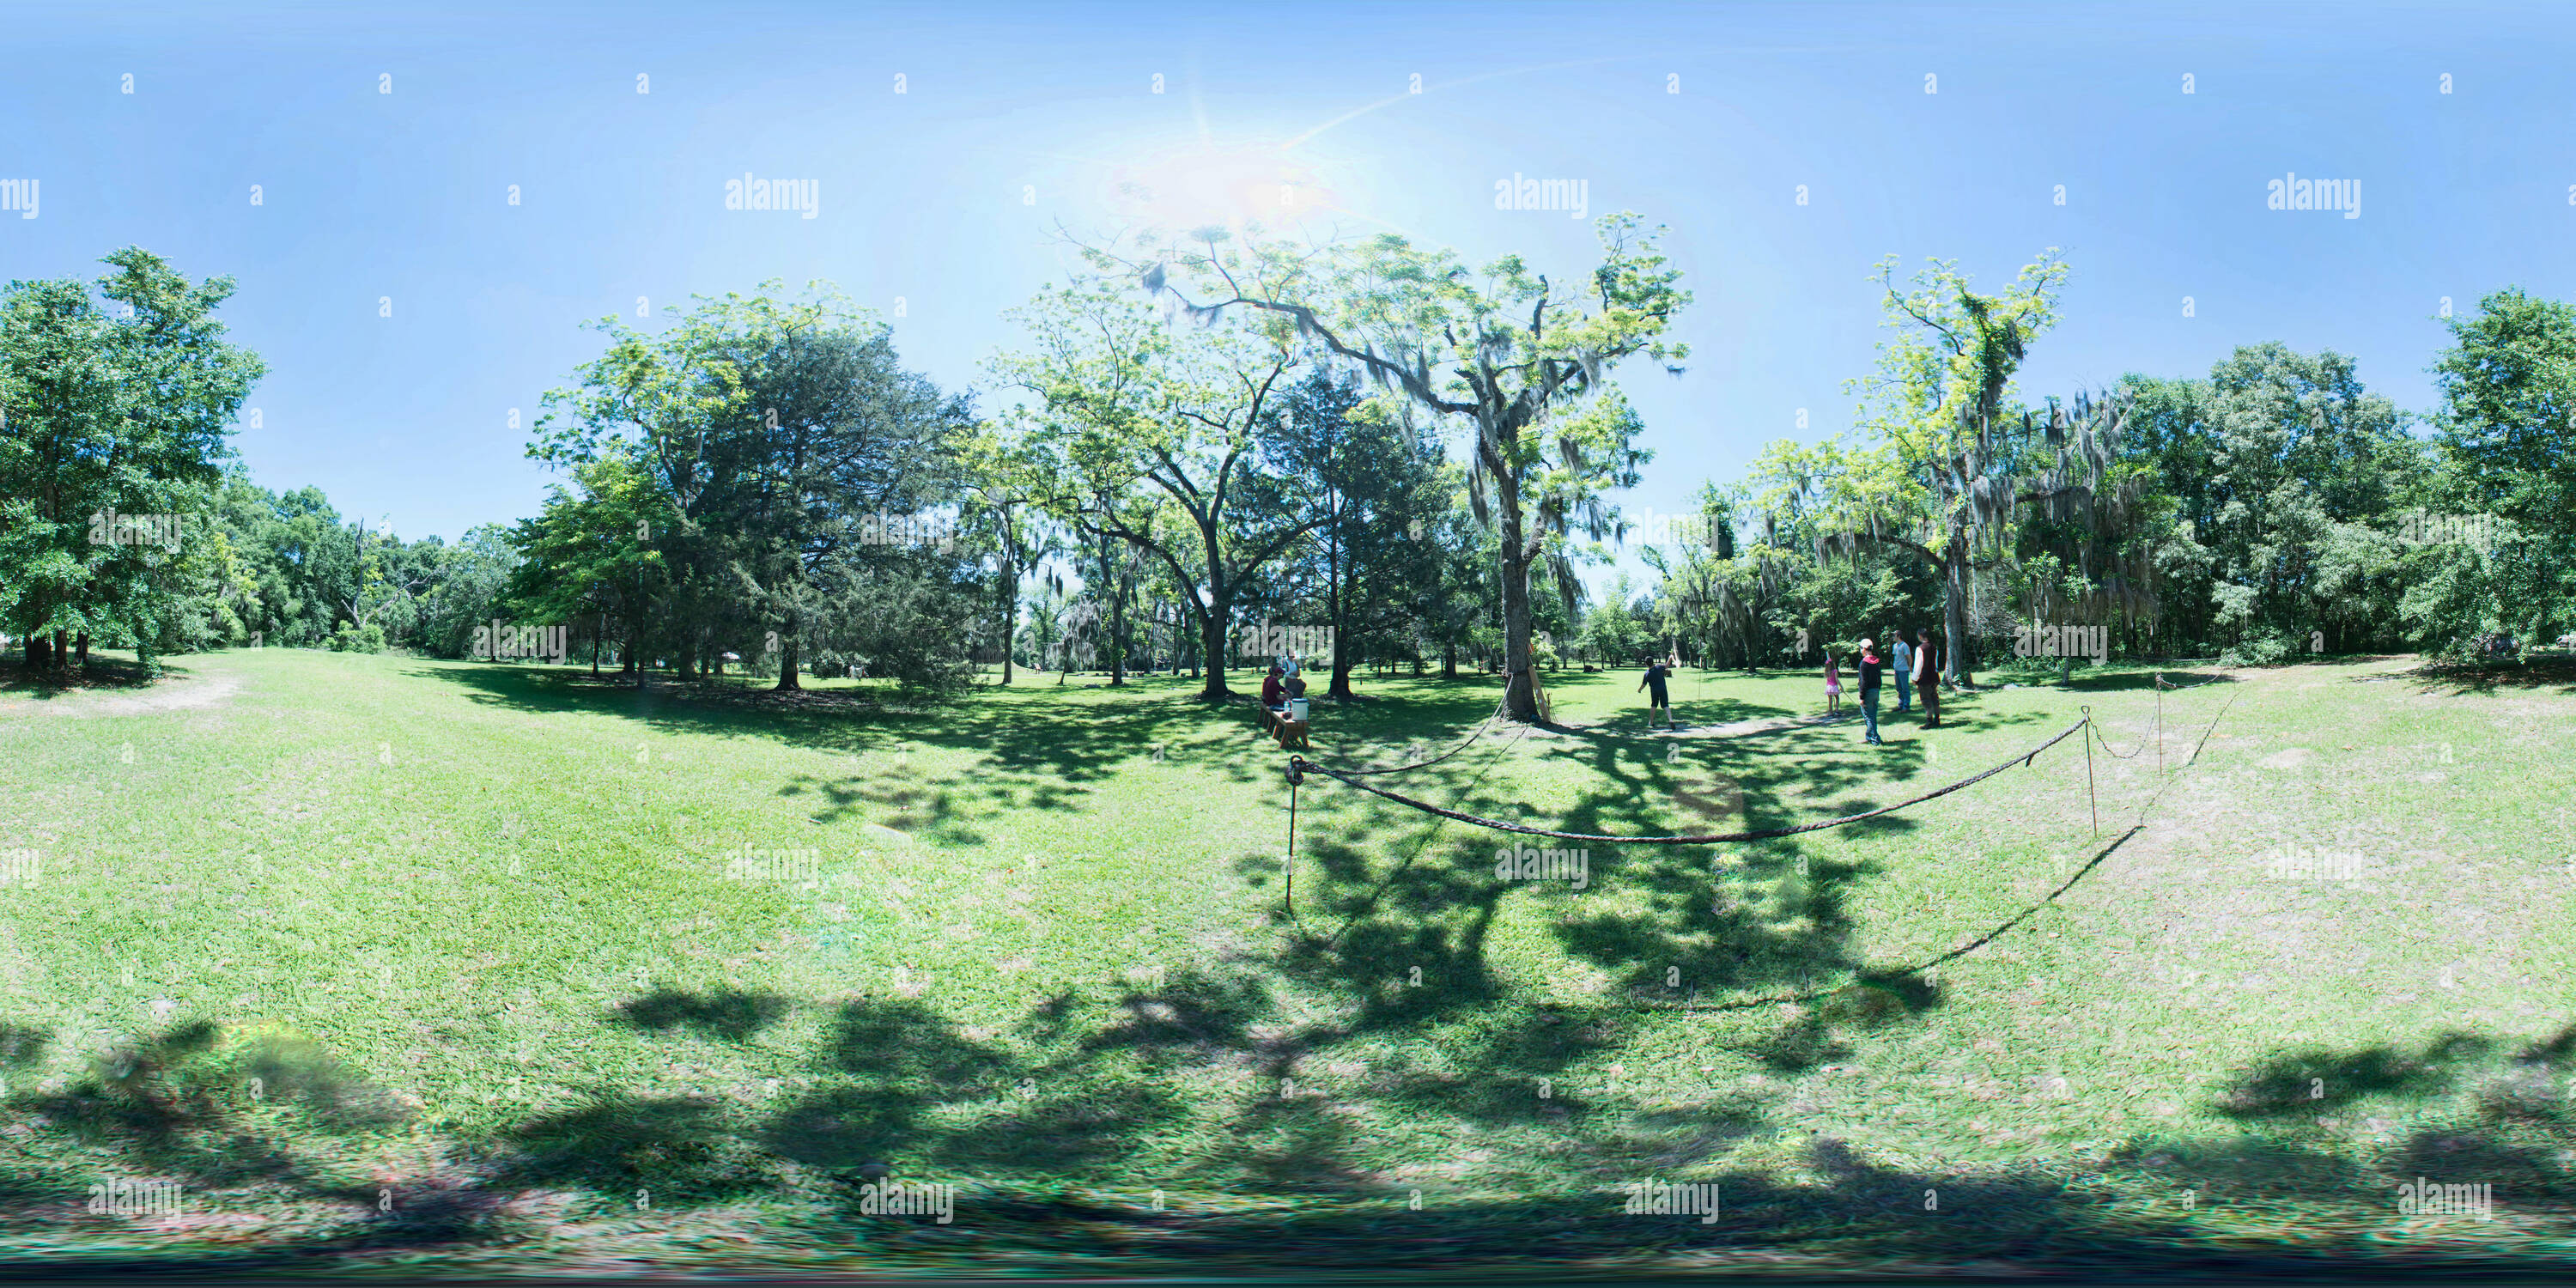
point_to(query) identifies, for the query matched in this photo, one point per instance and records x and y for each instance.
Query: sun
(1229, 185)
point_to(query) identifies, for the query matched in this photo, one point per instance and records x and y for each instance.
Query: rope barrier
(1298, 766)
(2163, 683)
(1472, 736)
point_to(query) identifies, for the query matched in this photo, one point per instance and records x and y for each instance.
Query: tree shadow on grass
(918, 1096)
(723, 1014)
(102, 674)
(2457, 679)
(1034, 754)
(2299, 1083)
(2137, 681)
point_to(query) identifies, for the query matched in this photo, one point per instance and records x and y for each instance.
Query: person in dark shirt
(1870, 670)
(1274, 695)
(1927, 678)
(1658, 698)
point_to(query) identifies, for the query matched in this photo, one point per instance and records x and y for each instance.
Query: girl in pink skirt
(1833, 686)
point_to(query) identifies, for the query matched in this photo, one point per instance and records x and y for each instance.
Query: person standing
(1658, 698)
(1927, 677)
(1833, 686)
(1870, 669)
(1901, 656)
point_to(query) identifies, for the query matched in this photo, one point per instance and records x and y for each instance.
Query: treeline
(1198, 442)
(2273, 509)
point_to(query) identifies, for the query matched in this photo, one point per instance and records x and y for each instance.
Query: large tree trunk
(1117, 627)
(787, 682)
(1518, 701)
(1337, 574)
(1010, 609)
(80, 649)
(1212, 641)
(62, 650)
(1954, 612)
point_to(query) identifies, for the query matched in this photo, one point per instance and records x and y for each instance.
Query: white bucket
(1297, 710)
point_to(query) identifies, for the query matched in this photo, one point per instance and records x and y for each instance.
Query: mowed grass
(389, 956)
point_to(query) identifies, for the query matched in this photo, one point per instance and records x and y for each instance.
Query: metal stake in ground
(2089, 731)
(1288, 864)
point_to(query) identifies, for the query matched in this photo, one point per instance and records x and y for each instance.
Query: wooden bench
(1289, 733)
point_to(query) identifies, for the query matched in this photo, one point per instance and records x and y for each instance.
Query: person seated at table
(1274, 695)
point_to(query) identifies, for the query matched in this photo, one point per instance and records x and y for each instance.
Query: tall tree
(2508, 383)
(1505, 347)
(1947, 467)
(1155, 438)
(1006, 487)
(781, 428)
(102, 411)
(1378, 477)
(2282, 470)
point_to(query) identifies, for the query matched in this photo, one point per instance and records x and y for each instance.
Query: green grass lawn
(389, 958)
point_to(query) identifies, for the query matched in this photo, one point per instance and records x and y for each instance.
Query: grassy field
(384, 959)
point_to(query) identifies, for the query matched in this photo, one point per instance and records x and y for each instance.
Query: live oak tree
(1508, 349)
(1946, 469)
(1155, 437)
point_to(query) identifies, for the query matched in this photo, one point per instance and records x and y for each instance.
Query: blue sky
(1017, 117)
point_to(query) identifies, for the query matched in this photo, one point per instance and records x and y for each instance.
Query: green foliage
(766, 432)
(2284, 476)
(1525, 360)
(115, 399)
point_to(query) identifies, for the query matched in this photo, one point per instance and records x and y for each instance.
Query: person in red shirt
(1273, 695)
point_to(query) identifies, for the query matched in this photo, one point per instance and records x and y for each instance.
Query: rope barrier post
(2160, 724)
(2089, 794)
(1288, 864)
